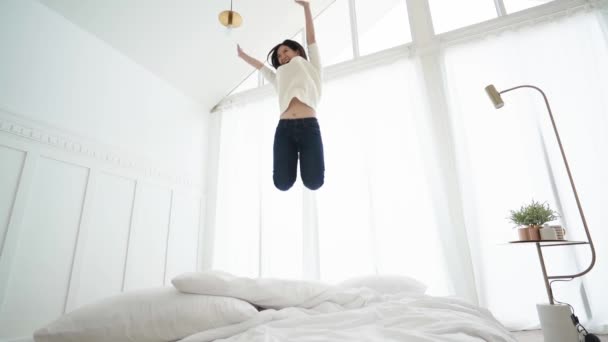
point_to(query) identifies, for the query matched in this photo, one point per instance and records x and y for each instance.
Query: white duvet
(334, 314)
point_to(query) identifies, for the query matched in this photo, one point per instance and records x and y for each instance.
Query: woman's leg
(312, 163)
(285, 160)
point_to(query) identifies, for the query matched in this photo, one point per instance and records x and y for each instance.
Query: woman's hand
(310, 26)
(250, 60)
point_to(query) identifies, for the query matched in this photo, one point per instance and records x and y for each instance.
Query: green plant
(535, 213)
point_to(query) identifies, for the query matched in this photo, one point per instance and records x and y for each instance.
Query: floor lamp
(556, 320)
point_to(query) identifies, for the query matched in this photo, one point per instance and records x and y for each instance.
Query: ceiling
(183, 42)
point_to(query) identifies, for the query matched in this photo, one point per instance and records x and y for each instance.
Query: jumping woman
(297, 81)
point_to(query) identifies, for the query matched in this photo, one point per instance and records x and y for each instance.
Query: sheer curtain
(509, 156)
(374, 213)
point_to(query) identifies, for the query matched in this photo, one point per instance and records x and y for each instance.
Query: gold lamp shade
(494, 96)
(230, 19)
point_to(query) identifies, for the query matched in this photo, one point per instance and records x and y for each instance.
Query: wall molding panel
(13, 229)
(47, 135)
(92, 220)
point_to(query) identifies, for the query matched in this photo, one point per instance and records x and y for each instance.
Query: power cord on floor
(579, 327)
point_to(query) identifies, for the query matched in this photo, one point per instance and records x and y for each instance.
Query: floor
(537, 336)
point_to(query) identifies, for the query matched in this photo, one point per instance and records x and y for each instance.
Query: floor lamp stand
(556, 319)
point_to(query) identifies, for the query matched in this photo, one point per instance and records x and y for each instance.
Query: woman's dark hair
(292, 44)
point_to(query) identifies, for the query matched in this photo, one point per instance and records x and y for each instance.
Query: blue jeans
(293, 138)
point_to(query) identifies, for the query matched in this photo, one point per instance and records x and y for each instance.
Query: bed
(228, 308)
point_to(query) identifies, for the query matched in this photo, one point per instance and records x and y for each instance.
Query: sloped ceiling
(183, 42)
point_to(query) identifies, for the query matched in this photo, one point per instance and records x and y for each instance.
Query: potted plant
(529, 219)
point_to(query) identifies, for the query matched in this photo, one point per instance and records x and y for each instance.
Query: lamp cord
(579, 327)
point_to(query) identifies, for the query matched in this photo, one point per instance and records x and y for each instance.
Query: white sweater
(298, 78)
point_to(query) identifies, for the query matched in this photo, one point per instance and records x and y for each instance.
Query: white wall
(101, 166)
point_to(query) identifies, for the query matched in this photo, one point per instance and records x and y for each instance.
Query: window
(332, 30)
(518, 5)
(251, 82)
(449, 14)
(299, 37)
(381, 24)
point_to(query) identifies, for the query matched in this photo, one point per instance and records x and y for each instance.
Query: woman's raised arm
(310, 27)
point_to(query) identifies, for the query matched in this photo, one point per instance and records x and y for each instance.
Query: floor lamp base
(556, 323)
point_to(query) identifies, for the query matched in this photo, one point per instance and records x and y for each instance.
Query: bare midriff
(298, 110)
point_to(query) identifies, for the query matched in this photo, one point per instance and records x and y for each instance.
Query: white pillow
(152, 315)
(386, 284)
(265, 292)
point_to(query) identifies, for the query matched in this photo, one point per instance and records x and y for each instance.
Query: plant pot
(523, 234)
(529, 233)
(534, 233)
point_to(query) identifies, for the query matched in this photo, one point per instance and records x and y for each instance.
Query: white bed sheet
(400, 317)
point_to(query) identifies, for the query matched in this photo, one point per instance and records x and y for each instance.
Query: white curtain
(373, 214)
(376, 214)
(510, 156)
